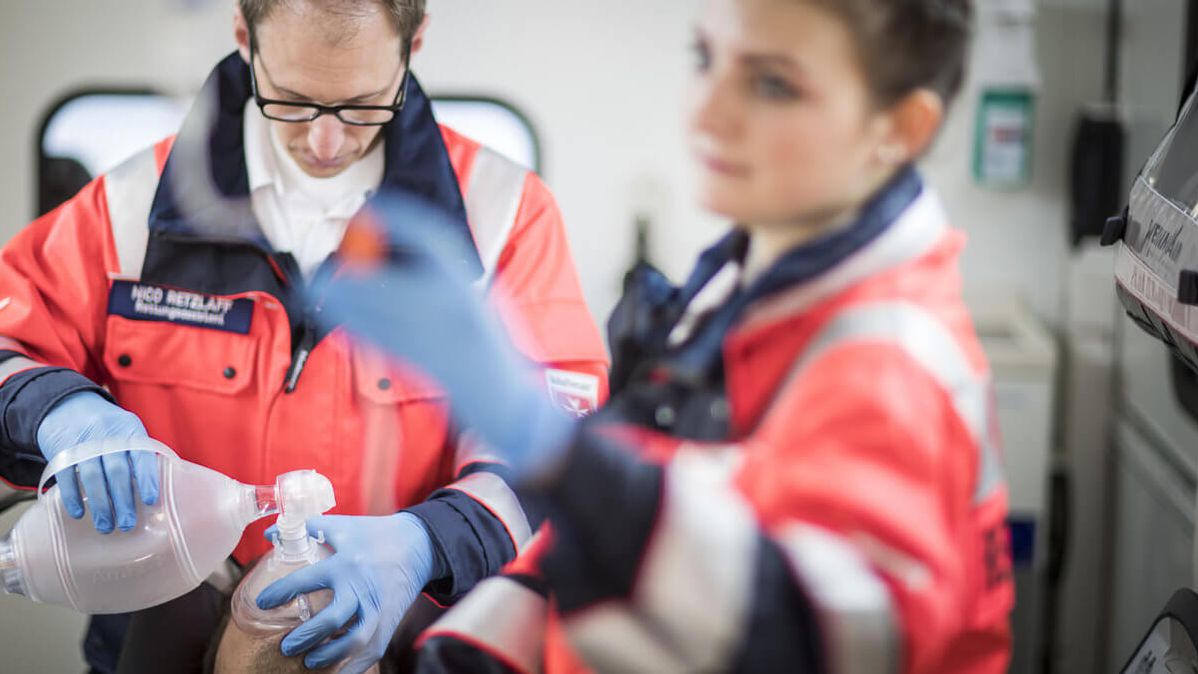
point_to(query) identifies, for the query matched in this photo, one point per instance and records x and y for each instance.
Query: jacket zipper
(307, 335)
(299, 358)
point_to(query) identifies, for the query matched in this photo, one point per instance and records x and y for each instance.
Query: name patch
(145, 302)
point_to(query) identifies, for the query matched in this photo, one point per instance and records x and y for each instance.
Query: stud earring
(890, 154)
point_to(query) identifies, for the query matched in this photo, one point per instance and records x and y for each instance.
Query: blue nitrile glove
(107, 481)
(419, 304)
(381, 565)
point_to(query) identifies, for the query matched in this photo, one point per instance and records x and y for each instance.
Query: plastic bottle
(196, 523)
(294, 549)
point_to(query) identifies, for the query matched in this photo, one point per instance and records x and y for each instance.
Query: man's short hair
(405, 15)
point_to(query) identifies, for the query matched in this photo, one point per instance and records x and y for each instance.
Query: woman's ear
(914, 121)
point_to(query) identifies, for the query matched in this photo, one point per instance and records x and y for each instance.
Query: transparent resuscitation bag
(293, 549)
(179, 541)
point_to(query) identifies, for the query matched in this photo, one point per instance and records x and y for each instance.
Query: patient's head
(240, 651)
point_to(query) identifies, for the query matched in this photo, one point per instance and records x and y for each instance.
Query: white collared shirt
(299, 214)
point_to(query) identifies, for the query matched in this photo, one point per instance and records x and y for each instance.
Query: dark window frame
(46, 199)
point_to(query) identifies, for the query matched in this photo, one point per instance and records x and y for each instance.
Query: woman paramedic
(797, 470)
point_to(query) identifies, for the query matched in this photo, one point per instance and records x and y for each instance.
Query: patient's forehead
(242, 653)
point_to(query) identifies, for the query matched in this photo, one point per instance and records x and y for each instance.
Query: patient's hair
(237, 653)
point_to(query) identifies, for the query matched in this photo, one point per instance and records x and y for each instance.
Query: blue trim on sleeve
(601, 534)
(25, 400)
(603, 505)
(471, 542)
(443, 654)
(781, 634)
(534, 514)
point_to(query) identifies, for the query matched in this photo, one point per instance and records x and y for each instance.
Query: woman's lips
(724, 167)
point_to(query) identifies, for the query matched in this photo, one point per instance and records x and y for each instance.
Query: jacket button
(664, 416)
(230, 372)
(384, 384)
(124, 360)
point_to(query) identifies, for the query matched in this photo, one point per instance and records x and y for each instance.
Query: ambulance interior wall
(605, 84)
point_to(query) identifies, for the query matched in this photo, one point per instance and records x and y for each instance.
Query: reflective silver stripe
(854, 606)
(505, 617)
(697, 576)
(473, 450)
(492, 202)
(490, 490)
(16, 364)
(130, 190)
(611, 638)
(695, 589)
(917, 231)
(713, 295)
(928, 341)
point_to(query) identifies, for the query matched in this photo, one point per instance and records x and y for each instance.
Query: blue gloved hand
(419, 304)
(108, 480)
(381, 565)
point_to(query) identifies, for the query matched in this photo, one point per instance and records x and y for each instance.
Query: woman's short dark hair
(905, 45)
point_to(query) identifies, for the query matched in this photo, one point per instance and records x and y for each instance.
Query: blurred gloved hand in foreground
(408, 287)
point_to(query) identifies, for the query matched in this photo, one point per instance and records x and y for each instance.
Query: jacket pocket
(383, 381)
(168, 354)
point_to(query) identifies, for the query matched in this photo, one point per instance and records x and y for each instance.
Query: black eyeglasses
(356, 115)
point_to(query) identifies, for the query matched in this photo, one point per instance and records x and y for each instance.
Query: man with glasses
(150, 304)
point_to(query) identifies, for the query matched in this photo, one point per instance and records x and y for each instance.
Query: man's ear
(418, 36)
(241, 33)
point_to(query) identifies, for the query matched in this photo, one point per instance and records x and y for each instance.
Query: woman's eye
(702, 56)
(774, 88)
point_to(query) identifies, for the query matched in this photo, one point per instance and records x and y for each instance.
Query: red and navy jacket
(156, 288)
(800, 473)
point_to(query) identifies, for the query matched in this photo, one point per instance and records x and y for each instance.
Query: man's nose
(326, 135)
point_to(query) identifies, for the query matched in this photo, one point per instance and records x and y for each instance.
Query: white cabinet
(1023, 360)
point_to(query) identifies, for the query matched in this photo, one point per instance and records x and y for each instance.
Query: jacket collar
(806, 266)
(211, 144)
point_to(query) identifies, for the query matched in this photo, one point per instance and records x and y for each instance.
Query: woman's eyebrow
(767, 58)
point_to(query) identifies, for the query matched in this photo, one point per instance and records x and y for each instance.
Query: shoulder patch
(575, 392)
